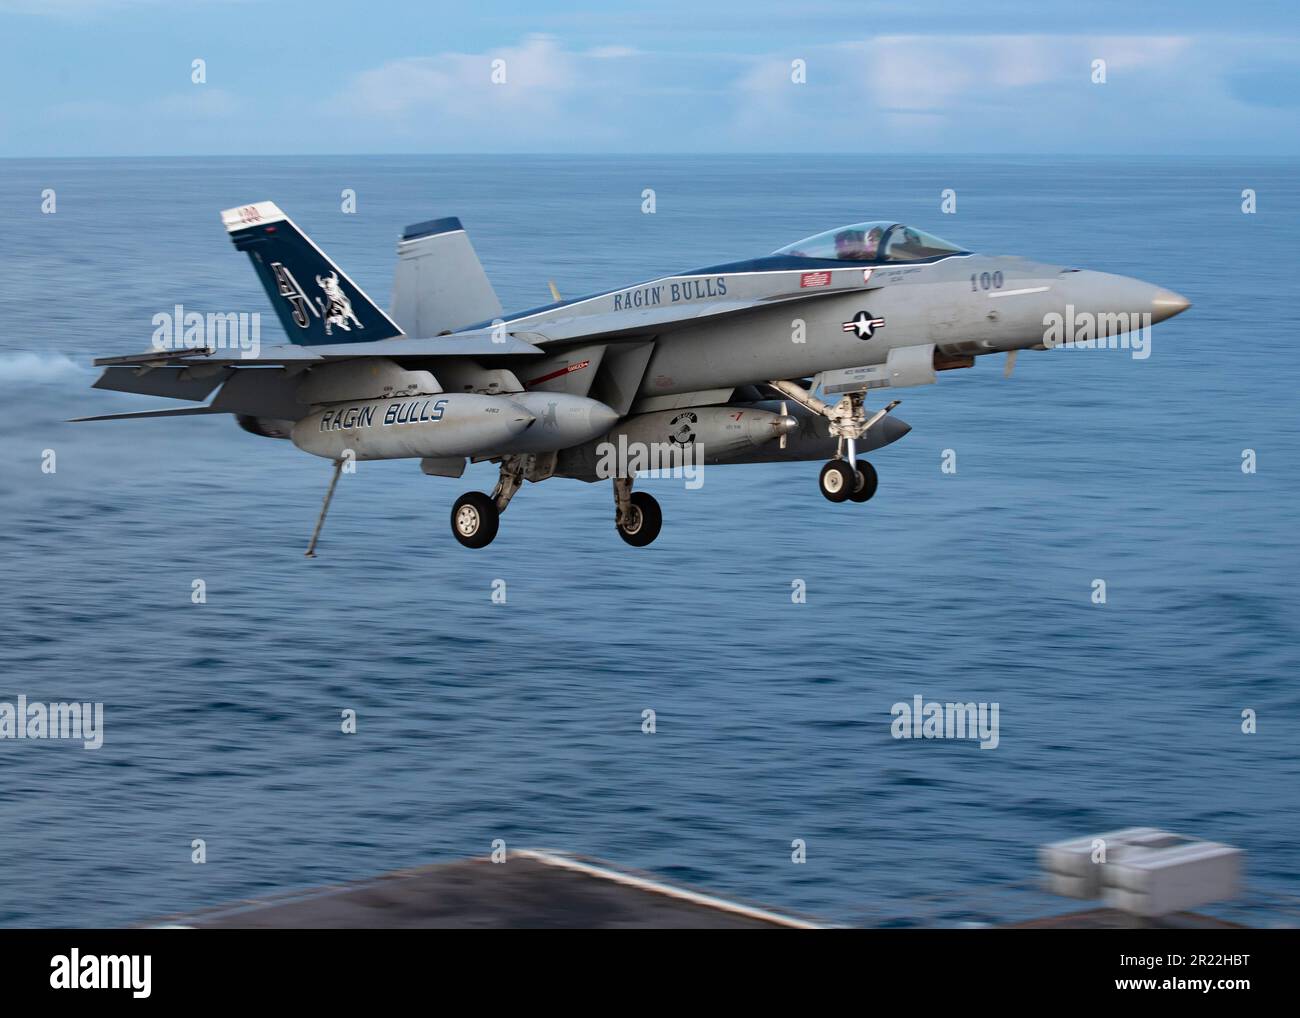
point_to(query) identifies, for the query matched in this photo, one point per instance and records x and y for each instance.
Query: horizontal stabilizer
(167, 382)
(155, 356)
(185, 411)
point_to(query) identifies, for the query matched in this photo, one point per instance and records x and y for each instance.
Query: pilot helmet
(851, 240)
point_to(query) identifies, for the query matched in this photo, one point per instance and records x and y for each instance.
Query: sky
(116, 77)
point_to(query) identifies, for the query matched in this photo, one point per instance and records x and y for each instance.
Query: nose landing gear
(842, 480)
(867, 482)
(837, 480)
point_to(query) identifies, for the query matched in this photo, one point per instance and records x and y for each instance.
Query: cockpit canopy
(871, 242)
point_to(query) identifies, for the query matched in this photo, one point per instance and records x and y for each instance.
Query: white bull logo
(335, 307)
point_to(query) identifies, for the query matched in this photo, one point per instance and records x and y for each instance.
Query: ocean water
(522, 721)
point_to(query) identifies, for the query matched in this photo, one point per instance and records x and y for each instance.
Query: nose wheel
(867, 480)
(840, 482)
(837, 480)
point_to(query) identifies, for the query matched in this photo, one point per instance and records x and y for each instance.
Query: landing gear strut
(842, 480)
(475, 518)
(636, 514)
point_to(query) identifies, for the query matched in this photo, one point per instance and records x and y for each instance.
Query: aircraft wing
(265, 385)
(193, 374)
(477, 344)
(552, 326)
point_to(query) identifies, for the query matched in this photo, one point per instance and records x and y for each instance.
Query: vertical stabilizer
(439, 285)
(315, 300)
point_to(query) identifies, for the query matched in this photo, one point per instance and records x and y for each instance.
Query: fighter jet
(770, 359)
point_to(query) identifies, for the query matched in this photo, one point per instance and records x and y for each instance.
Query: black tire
(837, 480)
(868, 480)
(475, 519)
(647, 520)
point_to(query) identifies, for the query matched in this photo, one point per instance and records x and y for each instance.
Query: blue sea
(523, 721)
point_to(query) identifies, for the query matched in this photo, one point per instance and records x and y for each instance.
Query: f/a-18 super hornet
(719, 365)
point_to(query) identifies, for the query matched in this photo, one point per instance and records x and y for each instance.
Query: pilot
(854, 245)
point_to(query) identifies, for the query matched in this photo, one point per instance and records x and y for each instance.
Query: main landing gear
(842, 480)
(636, 514)
(476, 518)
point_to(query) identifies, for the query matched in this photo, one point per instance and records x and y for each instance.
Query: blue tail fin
(314, 299)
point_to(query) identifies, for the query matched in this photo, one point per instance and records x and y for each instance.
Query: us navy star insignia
(864, 325)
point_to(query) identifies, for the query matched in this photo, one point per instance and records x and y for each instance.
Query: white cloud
(460, 86)
(995, 92)
(1003, 93)
(889, 93)
(930, 72)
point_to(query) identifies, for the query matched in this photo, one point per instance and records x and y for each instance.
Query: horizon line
(1199, 154)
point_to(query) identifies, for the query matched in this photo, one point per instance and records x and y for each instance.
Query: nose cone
(1166, 304)
(1101, 293)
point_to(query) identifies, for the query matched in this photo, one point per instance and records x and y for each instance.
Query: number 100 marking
(986, 281)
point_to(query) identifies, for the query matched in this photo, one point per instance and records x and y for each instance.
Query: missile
(452, 424)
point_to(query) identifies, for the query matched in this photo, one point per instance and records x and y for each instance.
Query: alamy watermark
(934, 720)
(179, 329)
(23, 720)
(1111, 330)
(75, 971)
(674, 460)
